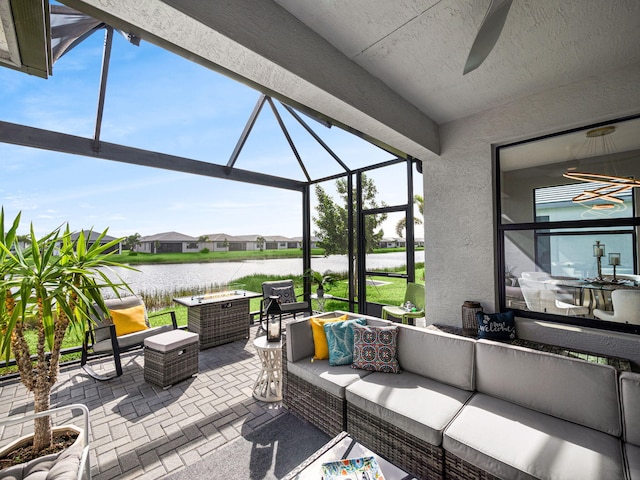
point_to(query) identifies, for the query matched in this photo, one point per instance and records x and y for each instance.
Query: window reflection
(551, 218)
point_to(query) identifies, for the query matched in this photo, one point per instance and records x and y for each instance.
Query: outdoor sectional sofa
(463, 408)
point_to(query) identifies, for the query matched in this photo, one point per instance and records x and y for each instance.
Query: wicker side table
(170, 357)
(268, 385)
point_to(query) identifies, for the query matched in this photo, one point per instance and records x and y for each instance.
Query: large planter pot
(71, 463)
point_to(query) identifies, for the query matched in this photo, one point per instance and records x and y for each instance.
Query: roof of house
(168, 237)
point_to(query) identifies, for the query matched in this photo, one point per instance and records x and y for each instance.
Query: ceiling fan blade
(488, 34)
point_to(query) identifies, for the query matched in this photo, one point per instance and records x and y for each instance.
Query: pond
(167, 277)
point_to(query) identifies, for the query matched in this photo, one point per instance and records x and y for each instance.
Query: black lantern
(274, 320)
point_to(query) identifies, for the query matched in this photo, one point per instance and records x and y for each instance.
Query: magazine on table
(364, 468)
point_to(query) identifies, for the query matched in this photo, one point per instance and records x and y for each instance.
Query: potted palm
(51, 285)
(324, 281)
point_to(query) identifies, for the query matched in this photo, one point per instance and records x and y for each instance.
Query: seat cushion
(126, 341)
(420, 406)
(331, 379)
(632, 452)
(514, 442)
(575, 390)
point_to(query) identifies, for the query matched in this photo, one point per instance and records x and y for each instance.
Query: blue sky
(161, 102)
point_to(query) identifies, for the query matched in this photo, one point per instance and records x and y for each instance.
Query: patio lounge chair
(102, 339)
(289, 303)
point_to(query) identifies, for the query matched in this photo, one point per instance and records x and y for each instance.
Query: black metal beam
(245, 133)
(104, 75)
(315, 136)
(60, 142)
(283, 127)
(409, 230)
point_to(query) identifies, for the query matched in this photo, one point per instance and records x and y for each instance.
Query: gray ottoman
(170, 357)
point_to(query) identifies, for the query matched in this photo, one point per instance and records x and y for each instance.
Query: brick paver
(139, 430)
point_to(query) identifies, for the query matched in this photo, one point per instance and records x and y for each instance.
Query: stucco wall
(459, 228)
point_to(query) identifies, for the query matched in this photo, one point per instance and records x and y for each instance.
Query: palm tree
(57, 282)
(402, 223)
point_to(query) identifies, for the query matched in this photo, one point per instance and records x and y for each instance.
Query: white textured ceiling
(419, 48)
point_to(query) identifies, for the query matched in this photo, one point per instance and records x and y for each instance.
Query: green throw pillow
(340, 341)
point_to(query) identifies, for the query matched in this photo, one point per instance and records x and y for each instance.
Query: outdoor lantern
(598, 249)
(614, 261)
(598, 252)
(274, 320)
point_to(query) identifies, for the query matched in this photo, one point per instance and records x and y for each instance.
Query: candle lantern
(598, 252)
(614, 261)
(274, 320)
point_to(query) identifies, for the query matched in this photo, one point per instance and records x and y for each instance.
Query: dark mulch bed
(24, 454)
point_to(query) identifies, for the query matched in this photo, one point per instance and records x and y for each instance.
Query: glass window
(568, 224)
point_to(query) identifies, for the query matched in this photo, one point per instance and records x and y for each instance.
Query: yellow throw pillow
(320, 338)
(128, 320)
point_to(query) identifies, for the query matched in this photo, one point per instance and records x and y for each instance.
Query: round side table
(268, 386)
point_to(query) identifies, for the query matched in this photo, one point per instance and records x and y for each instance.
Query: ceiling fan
(488, 34)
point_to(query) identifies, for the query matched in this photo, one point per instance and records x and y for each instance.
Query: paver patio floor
(139, 430)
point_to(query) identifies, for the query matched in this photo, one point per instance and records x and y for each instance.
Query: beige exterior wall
(458, 193)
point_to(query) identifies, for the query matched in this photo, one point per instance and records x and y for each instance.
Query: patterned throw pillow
(375, 348)
(496, 326)
(340, 340)
(286, 294)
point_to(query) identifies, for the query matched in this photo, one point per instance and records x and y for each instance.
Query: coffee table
(340, 447)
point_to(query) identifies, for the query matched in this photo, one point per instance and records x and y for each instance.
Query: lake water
(166, 277)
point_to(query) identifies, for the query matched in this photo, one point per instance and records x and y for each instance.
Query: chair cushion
(340, 340)
(330, 379)
(417, 405)
(321, 347)
(129, 320)
(130, 340)
(375, 348)
(510, 441)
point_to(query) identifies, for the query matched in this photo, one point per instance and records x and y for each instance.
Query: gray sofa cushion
(328, 378)
(581, 392)
(632, 452)
(440, 356)
(514, 442)
(630, 396)
(416, 404)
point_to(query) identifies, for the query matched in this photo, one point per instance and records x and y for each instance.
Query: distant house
(91, 237)
(399, 242)
(168, 242)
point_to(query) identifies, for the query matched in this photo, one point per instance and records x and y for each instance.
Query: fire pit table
(219, 317)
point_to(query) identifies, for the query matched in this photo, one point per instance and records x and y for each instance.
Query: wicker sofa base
(458, 469)
(421, 459)
(315, 405)
(166, 368)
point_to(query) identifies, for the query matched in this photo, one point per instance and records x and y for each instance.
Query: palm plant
(57, 282)
(402, 223)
